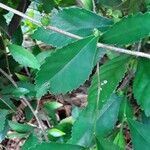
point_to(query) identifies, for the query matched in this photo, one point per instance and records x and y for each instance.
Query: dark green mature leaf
(3, 133)
(66, 3)
(129, 30)
(140, 135)
(107, 116)
(68, 67)
(145, 119)
(141, 86)
(75, 20)
(65, 125)
(3, 24)
(126, 110)
(18, 127)
(83, 128)
(87, 120)
(111, 73)
(109, 3)
(17, 37)
(48, 5)
(3, 114)
(56, 146)
(42, 56)
(31, 141)
(6, 103)
(103, 144)
(23, 56)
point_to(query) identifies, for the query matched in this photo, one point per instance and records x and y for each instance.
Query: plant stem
(26, 102)
(55, 29)
(9, 78)
(36, 117)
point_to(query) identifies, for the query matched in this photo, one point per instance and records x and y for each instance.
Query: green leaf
(18, 127)
(111, 73)
(23, 56)
(42, 56)
(15, 135)
(140, 135)
(3, 133)
(60, 74)
(103, 144)
(6, 103)
(107, 116)
(32, 140)
(120, 140)
(3, 114)
(87, 4)
(18, 92)
(141, 86)
(126, 110)
(17, 37)
(55, 132)
(109, 3)
(87, 118)
(75, 20)
(22, 77)
(65, 125)
(145, 119)
(129, 30)
(48, 5)
(3, 24)
(56, 146)
(52, 106)
(65, 3)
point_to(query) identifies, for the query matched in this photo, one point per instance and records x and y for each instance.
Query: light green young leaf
(129, 30)
(140, 135)
(87, 4)
(75, 20)
(141, 86)
(55, 132)
(52, 106)
(120, 140)
(67, 68)
(56, 146)
(23, 56)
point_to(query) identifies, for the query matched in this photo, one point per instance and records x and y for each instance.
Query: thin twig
(36, 117)
(8, 77)
(26, 102)
(94, 6)
(98, 84)
(55, 29)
